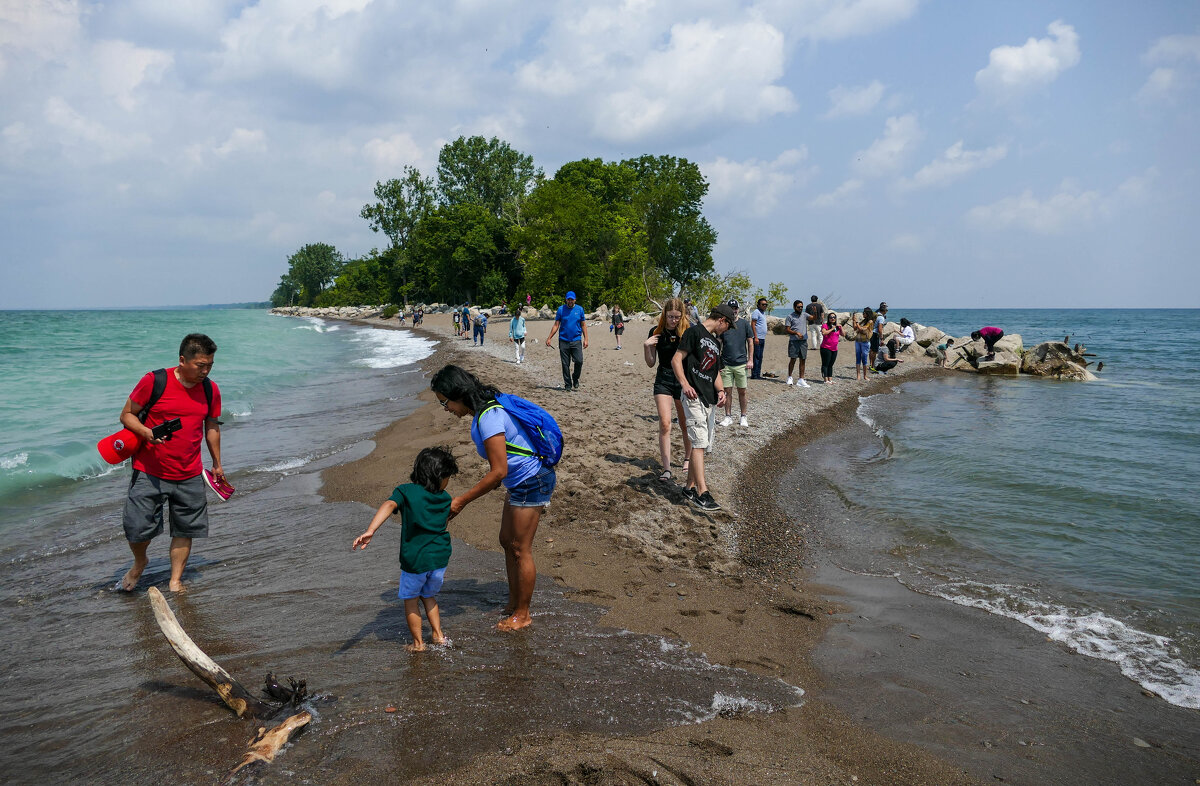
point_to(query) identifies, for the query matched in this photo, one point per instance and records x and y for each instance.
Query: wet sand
(743, 587)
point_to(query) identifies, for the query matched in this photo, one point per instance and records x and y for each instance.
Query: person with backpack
(522, 445)
(170, 468)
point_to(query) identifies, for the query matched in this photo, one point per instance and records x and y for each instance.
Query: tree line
(489, 227)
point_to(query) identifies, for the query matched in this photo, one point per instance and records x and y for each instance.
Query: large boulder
(775, 325)
(602, 314)
(1003, 363)
(928, 335)
(545, 312)
(1056, 359)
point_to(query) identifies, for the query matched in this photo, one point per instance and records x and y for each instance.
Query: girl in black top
(659, 348)
(618, 324)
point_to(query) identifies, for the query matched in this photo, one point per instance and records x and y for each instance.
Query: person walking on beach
(863, 330)
(457, 323)
(465, 322)
(479, 329)
(516, 334)
(815, 311)
(618, 324)
(571, 326)
(990, 336)
(796, 324)
(758, 317)
(696, 363)
(660, 347)
(831, 334)
(512, 462)
(737, 346)
(424, 508)
(170, 468)
(877, 333)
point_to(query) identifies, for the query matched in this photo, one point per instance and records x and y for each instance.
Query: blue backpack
(538, 425)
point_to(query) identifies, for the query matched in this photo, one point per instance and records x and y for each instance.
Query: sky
(936, 154)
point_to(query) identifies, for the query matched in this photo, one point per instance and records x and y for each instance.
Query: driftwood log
(266, 744)
(229, 689)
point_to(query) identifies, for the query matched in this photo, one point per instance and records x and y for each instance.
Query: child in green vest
(424, 508)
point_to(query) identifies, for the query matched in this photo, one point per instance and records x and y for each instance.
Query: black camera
(165, 429)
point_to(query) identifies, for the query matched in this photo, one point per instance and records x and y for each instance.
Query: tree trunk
(229, 689)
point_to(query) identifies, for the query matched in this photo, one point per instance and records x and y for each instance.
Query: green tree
(312, 268)
(454, 247)
(286, 293)
(668, 195)
(776, 295)
(712, 288)
(362, 282)
(487, 173)
(401, 204)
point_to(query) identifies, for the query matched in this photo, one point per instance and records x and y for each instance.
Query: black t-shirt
(817, 312)
(665, 348)
(703, 361)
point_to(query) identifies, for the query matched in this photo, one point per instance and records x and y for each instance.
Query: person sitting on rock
(907, 335)
(887, 360)
(990, 336)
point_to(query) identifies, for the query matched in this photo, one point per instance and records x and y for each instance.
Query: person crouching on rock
(424, 508)
(512, 462)
(990, 336)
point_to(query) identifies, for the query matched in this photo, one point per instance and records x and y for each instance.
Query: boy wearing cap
(737, 348)
(572, 340)
(696, 364)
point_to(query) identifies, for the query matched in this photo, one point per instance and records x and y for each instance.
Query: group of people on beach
(697, 361)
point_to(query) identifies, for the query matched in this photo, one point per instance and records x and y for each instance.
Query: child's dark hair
(949, 342)
(433, 465)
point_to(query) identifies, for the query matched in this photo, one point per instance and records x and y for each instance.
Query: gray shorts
(143, 517)
(798, 349)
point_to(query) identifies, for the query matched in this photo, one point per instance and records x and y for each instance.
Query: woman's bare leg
(518, 526)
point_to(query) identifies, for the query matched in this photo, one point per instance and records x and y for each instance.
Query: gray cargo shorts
(143, 516)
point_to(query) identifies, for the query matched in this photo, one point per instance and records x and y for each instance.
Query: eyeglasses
(675, 315)
(445, 402)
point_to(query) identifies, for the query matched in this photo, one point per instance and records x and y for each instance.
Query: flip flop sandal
(666, 476)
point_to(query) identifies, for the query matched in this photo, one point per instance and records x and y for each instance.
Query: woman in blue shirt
(500, 440)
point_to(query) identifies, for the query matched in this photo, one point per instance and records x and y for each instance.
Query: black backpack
(160, 384)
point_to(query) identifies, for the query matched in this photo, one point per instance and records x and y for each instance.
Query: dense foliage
(492, 227)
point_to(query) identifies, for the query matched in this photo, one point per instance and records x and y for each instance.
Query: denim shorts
(861, 353)
(534, 491)
(420, 585)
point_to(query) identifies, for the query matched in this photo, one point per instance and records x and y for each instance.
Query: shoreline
(682, 578)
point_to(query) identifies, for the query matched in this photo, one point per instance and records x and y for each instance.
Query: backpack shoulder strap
(160, 384)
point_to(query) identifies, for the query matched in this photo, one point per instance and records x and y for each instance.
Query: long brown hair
(672, 304)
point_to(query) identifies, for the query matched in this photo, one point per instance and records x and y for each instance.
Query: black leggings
(827, 358)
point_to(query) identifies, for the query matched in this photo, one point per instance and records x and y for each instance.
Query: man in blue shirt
(758, 319)
(572, 340)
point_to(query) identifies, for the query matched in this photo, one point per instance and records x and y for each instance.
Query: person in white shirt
(907, 336)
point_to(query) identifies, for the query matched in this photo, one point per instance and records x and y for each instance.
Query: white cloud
(834, 20)
(393, 153)
(908, 243)
(844, 194)
(121, 68)
(1014, 70)
(634, 82)
(1162, 85)
(752, 186)
(43, 29)
(243, 140)
(1068, 208)
(889, 152)
(854, 100)
(1174, 49)
(954, 164)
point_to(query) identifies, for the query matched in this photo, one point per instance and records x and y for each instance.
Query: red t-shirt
(179, 457)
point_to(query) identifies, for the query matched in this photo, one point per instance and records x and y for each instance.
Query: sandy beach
(893, 694)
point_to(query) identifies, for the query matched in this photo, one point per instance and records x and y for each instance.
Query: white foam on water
(864, 413)
(285, 465)
(392, 348)
(1148, 659)
(14, 461)
(317, 324)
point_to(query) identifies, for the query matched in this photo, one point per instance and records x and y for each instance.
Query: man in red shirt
(171, 469)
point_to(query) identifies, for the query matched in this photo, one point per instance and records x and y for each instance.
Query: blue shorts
(421, 585)
(862, 353)
(534, 491)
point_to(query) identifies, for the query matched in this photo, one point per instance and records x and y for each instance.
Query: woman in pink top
(990, 336)
(830, 335)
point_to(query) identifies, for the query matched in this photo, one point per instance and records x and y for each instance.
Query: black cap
(732, 304)
(726, 313)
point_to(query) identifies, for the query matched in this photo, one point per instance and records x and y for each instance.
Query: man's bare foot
(440, 640)
(129, 581)
(514, 623)
(416, 646)
(176, 586)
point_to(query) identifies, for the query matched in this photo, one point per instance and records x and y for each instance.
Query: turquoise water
(293, 390)
(1064, 505)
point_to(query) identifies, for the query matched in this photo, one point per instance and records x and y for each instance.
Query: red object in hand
(117, 447)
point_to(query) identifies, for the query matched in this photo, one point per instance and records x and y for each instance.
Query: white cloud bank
(889, 152)
(1176, 58)
(755, 187)
(953, 164)
(1014, 70)
(1068, 208)
(851, 101)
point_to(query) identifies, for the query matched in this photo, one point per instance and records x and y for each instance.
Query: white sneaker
(790, 382)
(802, 383)
(744, 423)
(726, 421)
